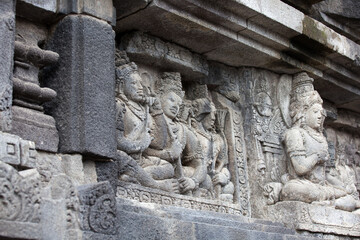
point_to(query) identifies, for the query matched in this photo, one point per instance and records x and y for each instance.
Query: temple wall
(168, 119)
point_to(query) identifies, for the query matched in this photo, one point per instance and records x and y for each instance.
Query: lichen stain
(311, 29)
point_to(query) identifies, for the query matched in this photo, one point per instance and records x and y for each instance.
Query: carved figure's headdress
(303, 96)
(202, 107)
(170, 82)
(124, 68)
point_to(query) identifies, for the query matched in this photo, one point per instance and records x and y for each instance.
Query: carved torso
(304, 142)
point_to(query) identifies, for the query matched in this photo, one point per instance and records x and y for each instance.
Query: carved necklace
(134, 107)
(317, 136)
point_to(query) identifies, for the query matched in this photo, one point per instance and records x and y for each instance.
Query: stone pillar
(7, 36)
(84, 79)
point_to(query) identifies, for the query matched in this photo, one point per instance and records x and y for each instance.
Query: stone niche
(179, 132)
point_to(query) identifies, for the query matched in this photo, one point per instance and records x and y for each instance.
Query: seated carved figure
(182, 151)
(215, 150)
(133, 122)
(343, 177)
(307, 148)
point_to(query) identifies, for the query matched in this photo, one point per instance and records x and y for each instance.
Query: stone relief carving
(214, 146)
(19, 194)
(98, 208)
(178, 142)
(307, 155)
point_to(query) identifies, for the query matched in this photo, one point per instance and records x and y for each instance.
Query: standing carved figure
(215, 149)
(306, 147)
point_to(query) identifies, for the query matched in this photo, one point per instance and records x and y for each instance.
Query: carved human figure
(306, 147)
(343, 177)
(215, 149)
(133, 127)
(183, 150)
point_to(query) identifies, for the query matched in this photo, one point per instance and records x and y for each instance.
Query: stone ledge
(148, 195)
(315, 218)
(21, 230)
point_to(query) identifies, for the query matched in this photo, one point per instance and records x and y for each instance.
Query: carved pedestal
(315, 218)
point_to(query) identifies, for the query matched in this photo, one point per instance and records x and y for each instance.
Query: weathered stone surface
(37, 10)
(167, 222)
(28, 154)
(84, 108)
(315, 218)
(98, 212)
(238, 34)
(30, 122)
(16, 151)
(10, 149)
(100, 9)
(149, 50)
(90, 175)
(60, 209)
(74, 168)
(7, 38)
(35, 126)
(125, 8)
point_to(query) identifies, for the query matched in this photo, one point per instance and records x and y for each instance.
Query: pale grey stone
(28, 154)
(73, 167)
(10, 148)
(90, 175)
(53, 219)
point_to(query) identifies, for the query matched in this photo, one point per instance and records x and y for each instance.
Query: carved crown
(170, 82)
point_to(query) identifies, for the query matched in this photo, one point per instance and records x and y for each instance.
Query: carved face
(170, 103)
(314, 116)
(209, 120)
(132, 87)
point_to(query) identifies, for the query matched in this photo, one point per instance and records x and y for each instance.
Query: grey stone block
(98, 212)
(90, 175)
(125, 8)
(19, 230)
(150, 50)
(35, 126)
(28, 154)
(53, 216)
(9, 148)
(37, 10)
(7, 37)
(84, 79)
(73, 167)
(100, 9)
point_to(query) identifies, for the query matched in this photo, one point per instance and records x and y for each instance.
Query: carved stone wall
(169, 119)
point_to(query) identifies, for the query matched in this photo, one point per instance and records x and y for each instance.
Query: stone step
(163, 222)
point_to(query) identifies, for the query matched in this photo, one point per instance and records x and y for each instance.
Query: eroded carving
(307, 152)
(98, 208)
(19, 194)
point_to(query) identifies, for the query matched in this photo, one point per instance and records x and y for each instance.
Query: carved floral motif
(98, 208)
(19, 195)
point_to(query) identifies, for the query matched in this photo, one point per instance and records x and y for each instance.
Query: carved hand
(220, 178)
(186, 184)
